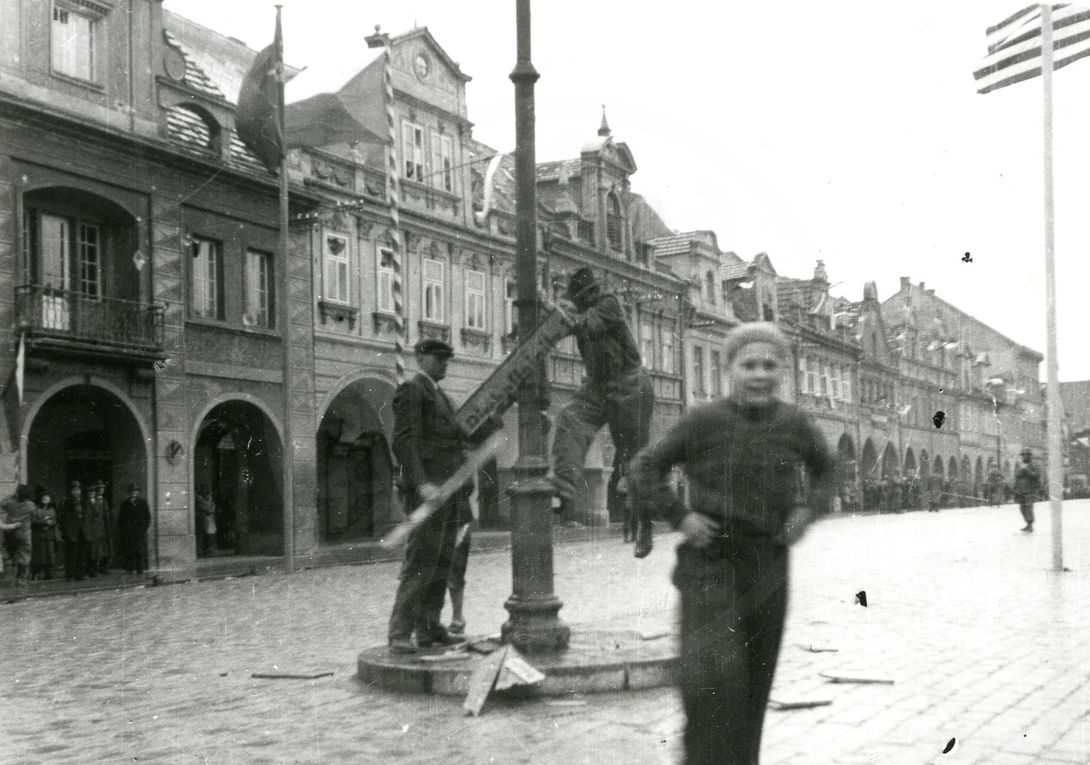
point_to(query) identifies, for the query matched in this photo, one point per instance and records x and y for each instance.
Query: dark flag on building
(257, 118)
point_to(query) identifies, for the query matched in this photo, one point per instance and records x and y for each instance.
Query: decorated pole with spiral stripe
(393, 197)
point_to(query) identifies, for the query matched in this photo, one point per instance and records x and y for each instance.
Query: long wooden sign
(501, 387)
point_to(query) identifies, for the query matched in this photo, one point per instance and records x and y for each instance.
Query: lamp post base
(534, 625)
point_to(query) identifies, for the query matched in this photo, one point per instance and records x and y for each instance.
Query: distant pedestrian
(99, 539)
(205, 522)
(746, 507)
(133, 519)
(1027, 485)
(73, 522)
(18, 509)
(43, 537)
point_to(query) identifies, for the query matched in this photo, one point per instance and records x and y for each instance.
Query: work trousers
(1026, 506)
(625, 404)
(733, 606)
(429, 558)
(75, 557)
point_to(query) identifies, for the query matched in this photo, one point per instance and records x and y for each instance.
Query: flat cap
(430, 345)
(1024, 452)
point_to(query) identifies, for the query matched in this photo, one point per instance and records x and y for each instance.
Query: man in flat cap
(430, 446)
(1027, 483)
(617, 392)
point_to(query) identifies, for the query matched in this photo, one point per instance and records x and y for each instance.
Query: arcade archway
(86, 433)
(355, 472)
(238, 459)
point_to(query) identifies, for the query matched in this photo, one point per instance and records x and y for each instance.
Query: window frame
(510, 295)
(716, 365)
(614, 223)
(668, 363)
(647, 344)
(444, 169)
(476, 304)
(253, 256)
(216, 248)
(334, 286)
(699, 383)
(433, 291)
(384, 281)
(96, 44)
(414, 168)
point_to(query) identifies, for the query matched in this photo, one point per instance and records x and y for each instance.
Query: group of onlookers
(82, 534)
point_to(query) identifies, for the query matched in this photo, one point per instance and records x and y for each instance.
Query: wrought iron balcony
(68, 319)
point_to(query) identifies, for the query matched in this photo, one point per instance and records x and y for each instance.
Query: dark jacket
(428, 443)
(741, 464)
(133, 518)
(74, 520)
(605, 341)
(1027, 481)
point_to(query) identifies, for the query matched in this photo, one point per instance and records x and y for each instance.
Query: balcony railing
(85, 319)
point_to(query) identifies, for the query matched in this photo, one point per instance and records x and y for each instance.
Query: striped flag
(1014, 45)
(393, 197)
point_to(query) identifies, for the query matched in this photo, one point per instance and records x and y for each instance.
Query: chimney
(905, 282)
(922, 285)
(379, 39)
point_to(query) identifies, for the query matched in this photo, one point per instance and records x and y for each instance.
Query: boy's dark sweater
(741, 464)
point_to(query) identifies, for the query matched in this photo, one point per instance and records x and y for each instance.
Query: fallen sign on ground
(503, 668)
(290, 675)
(784, 706)
(852, 677)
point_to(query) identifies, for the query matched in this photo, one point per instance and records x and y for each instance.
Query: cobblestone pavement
(985, 644)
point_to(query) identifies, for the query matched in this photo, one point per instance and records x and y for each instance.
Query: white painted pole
(1055, 448)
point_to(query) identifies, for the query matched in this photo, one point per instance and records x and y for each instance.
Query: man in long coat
(133, 519)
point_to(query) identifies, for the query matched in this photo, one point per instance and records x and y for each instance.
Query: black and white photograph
(544, 382)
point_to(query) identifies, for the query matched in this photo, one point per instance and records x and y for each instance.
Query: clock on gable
(422, 64)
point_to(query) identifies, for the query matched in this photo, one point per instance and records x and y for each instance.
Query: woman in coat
(43, 537)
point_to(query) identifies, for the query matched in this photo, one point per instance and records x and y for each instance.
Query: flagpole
(1055, 453)
(284, 310)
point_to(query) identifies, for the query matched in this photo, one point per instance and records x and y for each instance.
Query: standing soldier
(1027, 483)
(618, 393)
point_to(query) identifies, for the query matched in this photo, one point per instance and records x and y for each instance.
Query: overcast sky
(850, 132)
